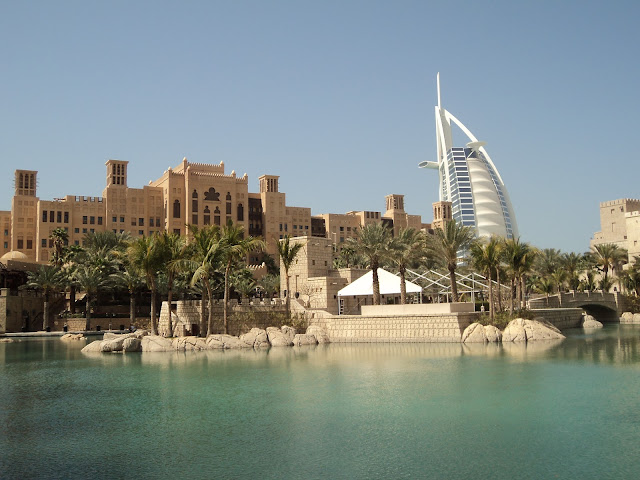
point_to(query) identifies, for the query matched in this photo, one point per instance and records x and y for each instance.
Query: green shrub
(502, 319)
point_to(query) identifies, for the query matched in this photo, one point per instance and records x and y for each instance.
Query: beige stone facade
(313, 281)
(620, 225)
(189, 194)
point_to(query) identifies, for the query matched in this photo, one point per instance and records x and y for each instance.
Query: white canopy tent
(389, 285)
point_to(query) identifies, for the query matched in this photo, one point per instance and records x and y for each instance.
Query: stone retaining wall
(397, 329)
(562, 318)
(242, 317)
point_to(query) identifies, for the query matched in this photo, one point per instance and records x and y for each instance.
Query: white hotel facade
(470, 181)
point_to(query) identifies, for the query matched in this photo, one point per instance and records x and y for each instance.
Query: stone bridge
(605, 307)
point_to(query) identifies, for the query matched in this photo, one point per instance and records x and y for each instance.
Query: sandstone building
(191, 193)
(620, 225)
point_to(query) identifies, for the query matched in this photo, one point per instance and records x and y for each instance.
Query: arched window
(207, 216)
(228, 203)
(211, 195)
(176, 209)
(194, 201)
(240, 213)
(216, 216)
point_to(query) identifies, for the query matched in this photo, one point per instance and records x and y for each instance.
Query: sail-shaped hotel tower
(470, 181)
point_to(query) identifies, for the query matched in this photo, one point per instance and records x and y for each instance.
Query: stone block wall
(242, 317)
(562, 318)
(406, 328)
(18, 311)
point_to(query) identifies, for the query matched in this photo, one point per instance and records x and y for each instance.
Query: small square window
(76, 230)
(141, 222)
(84, 220)
(99, 220)
(84, 230)
(114, 219)
(121, 219)
(141, 232)
(44, 243)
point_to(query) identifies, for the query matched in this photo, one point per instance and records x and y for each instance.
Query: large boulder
(132, 344)
(189, 343)
(492, 333)
(72, 336)
(93, 347)
(514, 331)
(318, 332)
(277, 338)
(626, 317)
(521, 330)
(636, 318)
(541, 330)
(225, 342)
(289, 332)
(155, 343)
(588, 321)
(474, 333)
(304, 339)
(256, 337)
(114, 342)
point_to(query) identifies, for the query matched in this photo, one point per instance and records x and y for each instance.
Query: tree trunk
(202, 321)
(72, 299)
(491, 312)
(513, 294)
(499, 290)
(169, 301)
(154, 326)
(132, 308)
(286, 296)
(454, 285)
(87, 323)
(45, 313)
(210, 322)
(403, 287)
(226, 298)
(376, 284)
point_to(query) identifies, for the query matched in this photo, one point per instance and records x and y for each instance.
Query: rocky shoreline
(518, 330)
(141, 341)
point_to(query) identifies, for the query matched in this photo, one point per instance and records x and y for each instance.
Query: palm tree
(90, 278)
(545, 285)
(573, 263)
(485, 255)
(404, 250)
(130, 278)
(243, 282)
(206, 256)
(558, 278)
(60, 239)
(146, 256)
(608, 256)
(269, 284)
(447, 244)
(518, 257)
(47, 280)
(548, 261)
(174, 249)
(373, 242)
(236, 247)
(588, 282)
(287, 254)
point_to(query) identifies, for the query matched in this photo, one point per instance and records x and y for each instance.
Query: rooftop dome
(13, 255)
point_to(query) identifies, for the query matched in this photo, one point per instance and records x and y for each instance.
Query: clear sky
(336, 97)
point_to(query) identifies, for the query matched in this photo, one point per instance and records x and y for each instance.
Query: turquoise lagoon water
(567, 410)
